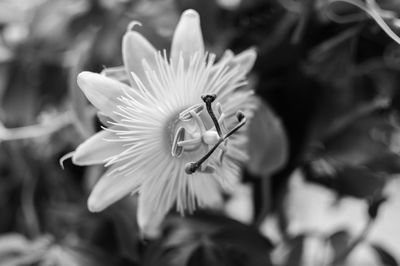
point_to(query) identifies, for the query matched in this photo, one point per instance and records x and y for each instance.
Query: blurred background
(321, 186)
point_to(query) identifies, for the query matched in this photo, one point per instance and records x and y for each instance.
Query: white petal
(135, 48)
(207, 191)
(101, 91)
(149, 216)
(188, 38)
(110, 188)
(246, 60)
(104, 119)
(226, 58)
(96, 149)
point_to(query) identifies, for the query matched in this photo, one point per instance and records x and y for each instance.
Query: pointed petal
(104, 119)
(149, 216)
(226, 58)
(188, 38)
(246, 60)
(207, 191)
(101, 91)
(135, 48)
(96, 149)
(110, 188)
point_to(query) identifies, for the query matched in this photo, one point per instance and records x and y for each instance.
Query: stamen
(208, 169)
(177, 149)
(199, 122)
(184, 143)
(190, 144)
(185, 115)
(222, 116)
(242, 120)
(192, 167)
(208, 99)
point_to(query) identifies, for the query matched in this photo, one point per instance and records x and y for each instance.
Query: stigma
(201, 129)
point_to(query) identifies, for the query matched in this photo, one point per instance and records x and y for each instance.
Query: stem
(34, 131)
(371, 9)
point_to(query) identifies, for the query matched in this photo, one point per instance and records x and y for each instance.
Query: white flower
(160, 140)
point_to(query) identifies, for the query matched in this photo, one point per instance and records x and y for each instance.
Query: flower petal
(188, 38)
(207, 191)
(101, 91)
(246, 60)
(135, 48)
(110, 188)
(96, 149)
(149, 217)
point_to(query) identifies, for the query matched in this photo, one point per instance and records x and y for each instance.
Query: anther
(241, 119)
(222, 116)
(240, 116)
(177, 149)
(192, 167)
(186, 115)
(208, 99)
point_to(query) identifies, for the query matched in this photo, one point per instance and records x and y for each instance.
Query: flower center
(199, 126)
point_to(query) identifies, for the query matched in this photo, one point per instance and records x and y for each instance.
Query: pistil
(208, 100)
(192, 167)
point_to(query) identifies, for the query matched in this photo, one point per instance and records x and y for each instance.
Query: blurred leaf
(385, 257)
(67, 255)
(268, 145)
(22, 251)
(208, 253)
(356, 152)
(388, 163)
(375, 204)
(211, 238)
(244, 239)
(123, 215)
(12, 243)
(51, 21)
(296, 251)
(332, 60)
(84, 118)
(158, 17)
(360, 138)
(339, 240)
(345, 179)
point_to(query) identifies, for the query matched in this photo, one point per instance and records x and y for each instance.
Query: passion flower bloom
(173, 132)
